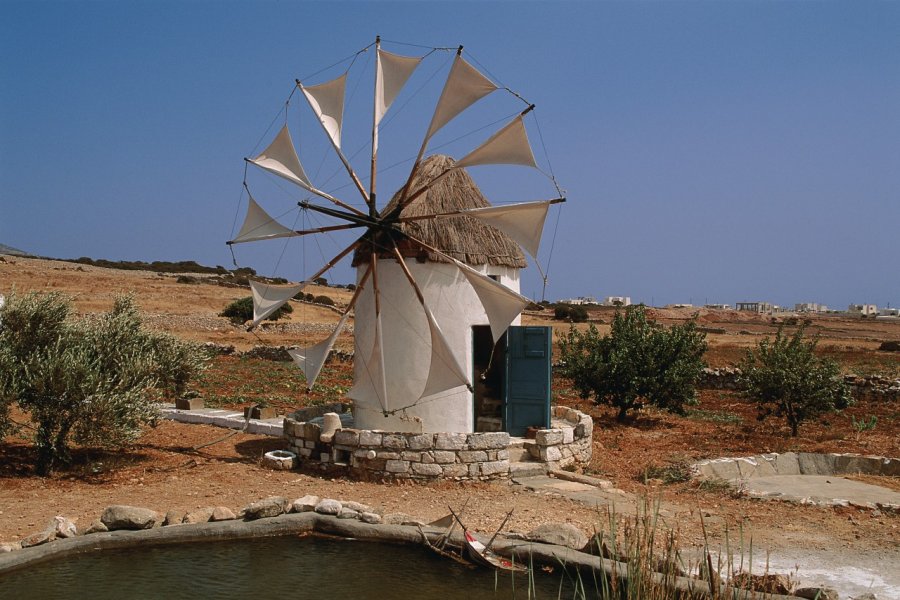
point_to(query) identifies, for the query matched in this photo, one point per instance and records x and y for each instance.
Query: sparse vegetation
(94, 382)
(241, 310)
(570, 312)
(787, 379)
(638, 363)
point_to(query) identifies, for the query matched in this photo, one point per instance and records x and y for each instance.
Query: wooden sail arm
(457, 213)
(325, 229)
(358, 218)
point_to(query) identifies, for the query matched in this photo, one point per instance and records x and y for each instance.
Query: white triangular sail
(391, 73)
(312, 358)
(281, 159)
(464, 87)
(523, 222)
(509, 146)
(501, 304)
(369, 385)
(258, 225)
(268, 297)
(327, 101)
(445, 373)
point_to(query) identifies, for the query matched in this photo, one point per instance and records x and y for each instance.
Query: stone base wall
(567, 442)
(394, 455)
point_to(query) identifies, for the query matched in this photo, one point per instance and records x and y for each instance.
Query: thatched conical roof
(464, 238)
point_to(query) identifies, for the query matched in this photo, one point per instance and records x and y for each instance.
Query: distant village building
(884, 312)
(810, 307)
(617, 301)
(679, 305)
(717, 306)
(865, 310)
(757, 307)
(580, 300)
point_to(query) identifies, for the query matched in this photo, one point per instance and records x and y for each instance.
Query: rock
(818, 593)
(222, 513)
(97, 526)
(36, 539)
(119, 516)
(328, 506)
(173, 517)
(270, 507)
(63, 527)
(370, 517)
(347, 513)
(201, 515)
(560, 534)
(400, 519)
(357, 506)
(773, 583)
(305, 504)
(11, 546)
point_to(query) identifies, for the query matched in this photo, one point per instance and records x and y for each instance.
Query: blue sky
(710, 151)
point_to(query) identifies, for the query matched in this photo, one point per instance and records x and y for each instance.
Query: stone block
(588, 423)
(369, 438)
(346, 437)
(189, 403)
(534, 450)
(444, 457)
(427, 458)
(816, 464)
(422, 441)
(726, 469)
(394, 441)
(325, 457)
(568, 435)
(449, 441)
(550, 454)
(397, 466)
(470, 456)
(309, 444)
(549, 437)
(311, 431)
(370, 517)
(304, 452)
(494, 440)
(474, 469)
(560, 411)
(573, 416)
(305, 504)
(348, 513)
(328, 506)
(455, 470)
(502, 455)
(387, 454)
(411, 456)
(427, 470)
(787, 464)
(493, 468)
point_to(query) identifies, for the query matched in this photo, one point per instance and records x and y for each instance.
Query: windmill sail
(501, 304)
(258, 225)
(464, 87)
(267, 298)
(523, 222)
(509, 146)
(444, 373)
(281, 159)
(312, 358)
(369, 385)
(327, 101)
(391, 73)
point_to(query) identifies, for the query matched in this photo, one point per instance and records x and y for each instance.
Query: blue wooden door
(527, 401)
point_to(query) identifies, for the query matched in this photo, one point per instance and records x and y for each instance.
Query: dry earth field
(162, 471)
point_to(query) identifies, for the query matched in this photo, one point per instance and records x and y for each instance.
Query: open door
(527, 399)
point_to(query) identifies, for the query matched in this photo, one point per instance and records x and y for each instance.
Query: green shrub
(323, 300)
(787, 379)
(638, 363)
(93, 382)
(241, 310)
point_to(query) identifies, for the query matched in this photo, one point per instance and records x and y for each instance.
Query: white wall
(407, 345)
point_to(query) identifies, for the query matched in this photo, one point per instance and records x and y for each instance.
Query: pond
(283, 567)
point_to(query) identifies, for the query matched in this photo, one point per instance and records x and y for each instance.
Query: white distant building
(757, 307)
(884, 312)
(810, 307)
(717, 306)
(865, 310)
(617, 301)
(580, 300)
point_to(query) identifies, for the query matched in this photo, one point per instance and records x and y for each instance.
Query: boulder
(270, 507)
(173, 517)
(201, 515)
(222, 513)
(328, 506)
(348, 513)
(818, 593)
(36, 539)
(97, 526)
(560, 534)
(370, 517)
(771, 583)
(63, 527)
(9, 547)
(119, 516)
(357, 506)
(305, 504)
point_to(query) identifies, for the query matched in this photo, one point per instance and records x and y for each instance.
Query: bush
(570, 312)
(241, 310)
(787, 379)
(91, 382)
(323, 300)
(638, 363)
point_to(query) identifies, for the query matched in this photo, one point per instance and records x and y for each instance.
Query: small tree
(93, 382)
(638, 363)
(787, 379)
(241, 310)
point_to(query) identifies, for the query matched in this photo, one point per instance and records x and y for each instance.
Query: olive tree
(787, 379)
(640, 362)
(89, 381)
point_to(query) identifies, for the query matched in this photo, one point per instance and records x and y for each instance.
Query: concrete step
(527, 469)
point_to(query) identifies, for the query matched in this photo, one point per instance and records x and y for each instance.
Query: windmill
(433, 263)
